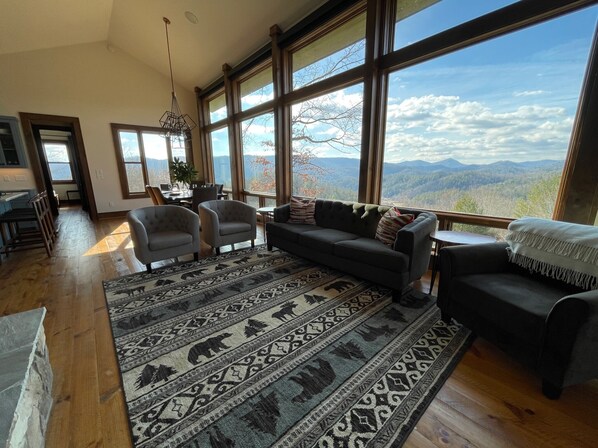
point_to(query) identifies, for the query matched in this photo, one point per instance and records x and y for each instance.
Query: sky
(511, 98)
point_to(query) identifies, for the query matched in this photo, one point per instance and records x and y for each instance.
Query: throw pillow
(391, 222)
(303, 210)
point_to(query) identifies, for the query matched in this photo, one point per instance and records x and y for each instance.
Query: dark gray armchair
(163, 231)
(546, 324)
(227, 222)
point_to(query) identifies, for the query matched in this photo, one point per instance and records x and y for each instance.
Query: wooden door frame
(28, 120)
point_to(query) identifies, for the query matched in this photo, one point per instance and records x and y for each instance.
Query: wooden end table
(443, 238)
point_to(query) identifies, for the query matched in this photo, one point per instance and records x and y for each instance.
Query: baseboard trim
(112, 215)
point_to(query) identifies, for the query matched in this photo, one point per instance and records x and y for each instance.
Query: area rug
(265, 349)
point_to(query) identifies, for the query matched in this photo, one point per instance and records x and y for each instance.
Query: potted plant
(183, 172)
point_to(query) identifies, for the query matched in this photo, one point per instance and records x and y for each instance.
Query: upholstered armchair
(227, 222)
(163, 231)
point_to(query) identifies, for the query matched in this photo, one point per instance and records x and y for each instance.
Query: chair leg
(551, 391)
(149, 267)
(196, 256)
(252, 243)
(217, 251)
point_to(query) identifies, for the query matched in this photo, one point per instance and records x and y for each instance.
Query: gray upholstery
(545, 324)
(343, 237)
(227, 222)
(163, 231)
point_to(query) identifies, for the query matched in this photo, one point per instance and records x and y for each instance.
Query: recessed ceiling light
(191, 17)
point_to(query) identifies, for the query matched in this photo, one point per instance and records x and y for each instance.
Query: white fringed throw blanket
(561, 250)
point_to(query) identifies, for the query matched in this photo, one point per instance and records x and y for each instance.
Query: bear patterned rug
(265, 349)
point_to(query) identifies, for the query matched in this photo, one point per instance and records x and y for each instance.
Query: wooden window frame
(122, 172)
(69, 163)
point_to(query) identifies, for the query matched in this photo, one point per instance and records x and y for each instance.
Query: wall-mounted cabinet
(11, 146)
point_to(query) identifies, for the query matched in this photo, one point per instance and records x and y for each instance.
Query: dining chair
(151, 194)
(160, 199)
(200, 195)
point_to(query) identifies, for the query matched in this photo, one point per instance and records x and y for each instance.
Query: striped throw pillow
(302, 210)
(391, 222)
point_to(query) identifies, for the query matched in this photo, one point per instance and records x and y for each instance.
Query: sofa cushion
(360, 219)
(518, 304)
(232, 227)
(323, 240)
(167, 239)
(373, 253)
(289, 232)
(391, 222)
(302, 210)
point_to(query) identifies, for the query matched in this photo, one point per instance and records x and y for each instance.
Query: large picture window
(326, 139)
(257, 89)
(144, 157)
(221, 157)
(257, 134)
(486, 130)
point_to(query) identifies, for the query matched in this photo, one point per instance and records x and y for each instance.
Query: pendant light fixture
(173, 121)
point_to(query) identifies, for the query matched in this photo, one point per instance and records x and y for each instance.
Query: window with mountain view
(326, 144)
(257, 135)
(144, 157)
(257, 89)
(486, 129)
(221, 157)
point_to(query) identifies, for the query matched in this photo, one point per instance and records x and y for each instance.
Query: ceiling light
(191, 17)
(173, 122)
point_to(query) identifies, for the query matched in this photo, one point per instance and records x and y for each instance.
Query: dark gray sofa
(343, 238)
(547, 325)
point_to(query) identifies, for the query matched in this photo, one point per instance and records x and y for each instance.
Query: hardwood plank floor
(489, 401)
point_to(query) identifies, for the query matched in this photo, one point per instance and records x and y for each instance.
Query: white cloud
(435, 127)
(529, 93)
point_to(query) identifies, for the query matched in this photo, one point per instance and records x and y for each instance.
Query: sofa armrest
(570, 344)
(282, 213)
(414, 240)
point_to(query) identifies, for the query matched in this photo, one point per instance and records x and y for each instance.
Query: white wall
(99, 87)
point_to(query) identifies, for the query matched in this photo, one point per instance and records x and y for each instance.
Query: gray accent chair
(545, 324)
(163, 231)
(227, 222)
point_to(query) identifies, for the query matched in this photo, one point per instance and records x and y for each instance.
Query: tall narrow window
(340, 50)
(486, 130)
(326, 138)
(221, 157)
(257, 89)
(217, 107)
(59, 162)
(258, 154)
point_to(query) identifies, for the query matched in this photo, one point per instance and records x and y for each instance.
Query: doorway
(58, 160)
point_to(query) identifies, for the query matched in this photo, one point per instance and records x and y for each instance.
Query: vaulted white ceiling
(227, 31)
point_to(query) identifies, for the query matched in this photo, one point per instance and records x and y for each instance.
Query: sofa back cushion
(353, 217)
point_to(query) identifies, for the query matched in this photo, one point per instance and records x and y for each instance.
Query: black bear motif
(411, 300)
(221, 266)
(208, 295)
(131, 291)
(261, 278)
(372, 333)
(242, 260)
(237, 287)
(339, 286)
(395, 315)
(282, 271)
(205, 348)
(286, 309)
(313, 380)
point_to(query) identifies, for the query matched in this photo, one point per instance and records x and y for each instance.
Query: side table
(443, 238)
(267, 215)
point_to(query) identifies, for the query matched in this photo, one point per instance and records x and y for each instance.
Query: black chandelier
(173, 121)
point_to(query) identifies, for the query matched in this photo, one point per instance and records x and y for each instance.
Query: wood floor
(489, 400)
